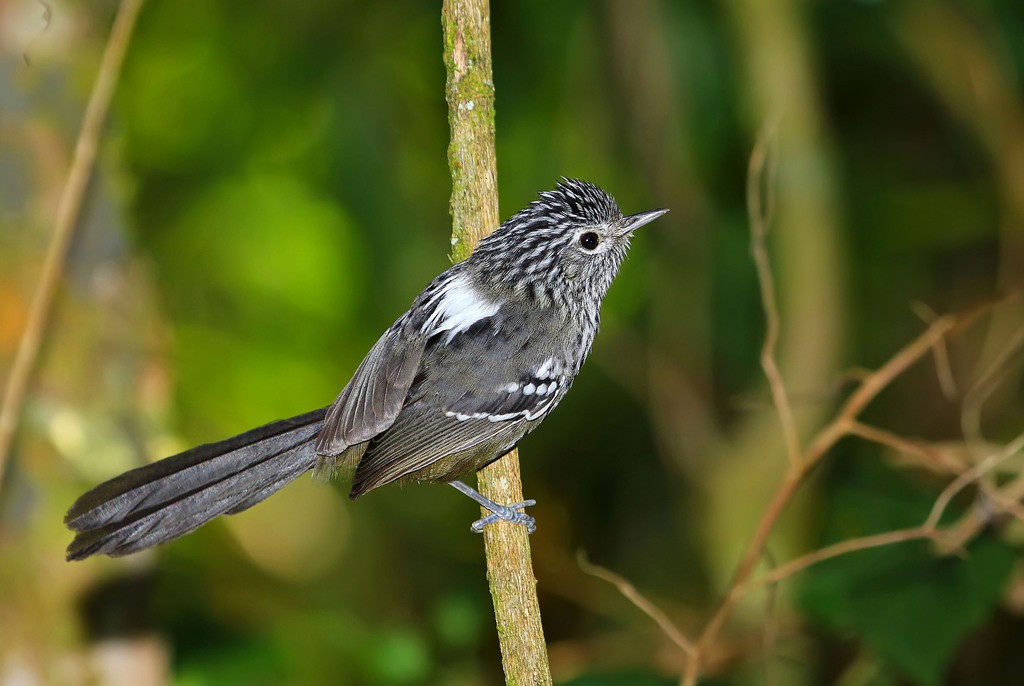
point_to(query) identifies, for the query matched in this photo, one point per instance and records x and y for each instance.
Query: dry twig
(843, 424)
(64, 225)
(629, 591)
(835, 550)
(943, 369)
(761, 208)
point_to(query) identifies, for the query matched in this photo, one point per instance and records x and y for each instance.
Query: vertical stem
(64, 225)
(474, 208)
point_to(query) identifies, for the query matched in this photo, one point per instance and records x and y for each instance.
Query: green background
(272, 192)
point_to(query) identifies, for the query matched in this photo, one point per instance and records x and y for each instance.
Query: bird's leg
(509, 513)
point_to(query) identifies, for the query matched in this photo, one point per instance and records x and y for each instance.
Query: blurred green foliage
(273, 193)
(908, 606)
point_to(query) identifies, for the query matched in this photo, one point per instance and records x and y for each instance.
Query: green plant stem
(474, 209)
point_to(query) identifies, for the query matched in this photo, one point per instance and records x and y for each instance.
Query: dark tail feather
(170, 498)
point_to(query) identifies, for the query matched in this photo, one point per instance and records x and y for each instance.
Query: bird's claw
(508, 513)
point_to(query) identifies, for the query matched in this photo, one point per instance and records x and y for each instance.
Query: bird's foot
(507, 513)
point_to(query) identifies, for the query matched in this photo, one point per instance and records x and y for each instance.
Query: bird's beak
(635, 221)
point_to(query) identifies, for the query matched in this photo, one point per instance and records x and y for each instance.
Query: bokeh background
(272, 192)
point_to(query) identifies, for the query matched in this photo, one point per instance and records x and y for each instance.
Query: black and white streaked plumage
(484, 354)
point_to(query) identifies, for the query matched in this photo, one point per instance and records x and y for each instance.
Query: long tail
(170, 498)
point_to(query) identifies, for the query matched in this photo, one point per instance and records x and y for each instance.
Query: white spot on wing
(459, 306)
(528, 389)
(550, 369)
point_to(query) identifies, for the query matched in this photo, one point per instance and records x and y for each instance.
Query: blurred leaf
(185, 73)
(265, 242)
(254, 662)
(907, 605)
(461, 620)
(400, 657)
(619, 679)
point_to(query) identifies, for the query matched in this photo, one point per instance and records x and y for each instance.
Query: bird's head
(564, 247)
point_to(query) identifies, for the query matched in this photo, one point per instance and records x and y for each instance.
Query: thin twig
(971, 475)
(936, 458)
(928, 530)
(843, 424)
(875, 383)
(826, 438)
(836, 549)
(985, 385)
(761, 209)
(836, 430)
(64, 224)
(629, 591)
(943, 369)
(957, 535)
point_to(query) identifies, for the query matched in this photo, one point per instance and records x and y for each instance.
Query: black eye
(589, 240)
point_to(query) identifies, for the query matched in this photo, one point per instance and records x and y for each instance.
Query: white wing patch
(457, 307)
(551, 368)
(541, 393)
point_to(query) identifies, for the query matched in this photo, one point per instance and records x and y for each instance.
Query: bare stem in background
(64, 225)
(629, 591)
(474, 208)
(973, 77)
(761, 208)
(844, 423)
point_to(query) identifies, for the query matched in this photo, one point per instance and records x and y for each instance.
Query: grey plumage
(172, 497)
(484, 354)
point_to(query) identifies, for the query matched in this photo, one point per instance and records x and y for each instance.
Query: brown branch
(629, 591)
(832, 433)
(841, 548)
(68, 208)
(835, 430)
(928, 530)
(943, 369)
(985, 385)
(936, 459)
(957, 535)
(971, 475)
(474, 208)
(824, 441)
(873, 384)
(761, 209)
(844, 423)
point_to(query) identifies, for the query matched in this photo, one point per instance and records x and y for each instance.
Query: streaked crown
(564, 248)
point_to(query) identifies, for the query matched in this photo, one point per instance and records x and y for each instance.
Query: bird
(480, 359)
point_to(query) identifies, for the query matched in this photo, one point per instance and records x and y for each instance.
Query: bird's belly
(463, 463)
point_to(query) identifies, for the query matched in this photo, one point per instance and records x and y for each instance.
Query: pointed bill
(635, 221)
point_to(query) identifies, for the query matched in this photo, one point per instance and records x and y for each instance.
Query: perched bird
(479, 360)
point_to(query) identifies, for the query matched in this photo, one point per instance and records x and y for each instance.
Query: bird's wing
(423, 435)
(374, 397)
(463, 409)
